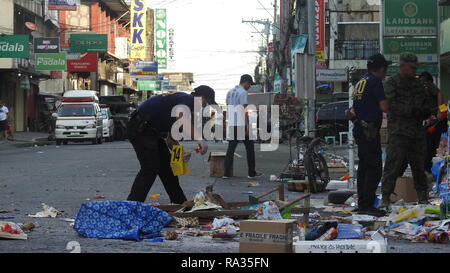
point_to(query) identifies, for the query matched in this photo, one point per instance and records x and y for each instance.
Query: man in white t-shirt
(237, 100)
(3, 119)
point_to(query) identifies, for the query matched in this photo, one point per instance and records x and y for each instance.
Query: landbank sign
(14, 46)
(410, 17)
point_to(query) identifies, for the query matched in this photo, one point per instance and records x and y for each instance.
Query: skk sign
(138, 29)
(320, 28)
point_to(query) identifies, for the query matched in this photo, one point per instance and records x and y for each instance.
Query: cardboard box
(217, 164)
(377, 244)
(404, 189)
(258, 236)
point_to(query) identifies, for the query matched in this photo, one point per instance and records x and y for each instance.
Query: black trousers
(370, 168)
(154, 158)
(249, 147)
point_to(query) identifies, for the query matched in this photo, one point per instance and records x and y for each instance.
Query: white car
(108, 125)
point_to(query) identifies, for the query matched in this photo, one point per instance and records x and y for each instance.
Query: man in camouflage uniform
(410, 103)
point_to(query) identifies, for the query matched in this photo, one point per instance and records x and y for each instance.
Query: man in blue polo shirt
(149, 133)
(369, 103)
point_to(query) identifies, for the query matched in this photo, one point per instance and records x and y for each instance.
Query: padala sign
(14, 46)
(426, 49)
(50, 62)
(410, 17)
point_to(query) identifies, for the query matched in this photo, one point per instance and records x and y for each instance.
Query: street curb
(32, 143)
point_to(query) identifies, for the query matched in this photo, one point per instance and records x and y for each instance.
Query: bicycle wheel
(311, 173)
(323, 170)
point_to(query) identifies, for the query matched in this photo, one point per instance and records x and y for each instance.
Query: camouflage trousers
(403, 150)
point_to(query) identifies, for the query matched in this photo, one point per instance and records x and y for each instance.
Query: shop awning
(120, 8)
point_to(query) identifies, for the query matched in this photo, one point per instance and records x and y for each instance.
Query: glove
(203, 146)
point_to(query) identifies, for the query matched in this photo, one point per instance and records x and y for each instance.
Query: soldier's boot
(423, 197)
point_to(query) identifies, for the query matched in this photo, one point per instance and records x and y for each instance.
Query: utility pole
(274, 39)
(267, 24)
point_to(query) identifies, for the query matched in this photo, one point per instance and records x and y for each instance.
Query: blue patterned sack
(120, 220)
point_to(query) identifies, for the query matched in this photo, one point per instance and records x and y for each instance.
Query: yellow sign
(179, 167)
(138, 29)
(320, 55)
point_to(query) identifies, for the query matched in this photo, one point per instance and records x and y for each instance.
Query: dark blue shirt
(158, 109)
(366, 99)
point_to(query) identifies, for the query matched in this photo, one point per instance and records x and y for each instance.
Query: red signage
(320, 25)
(86, 63)
(30, 26)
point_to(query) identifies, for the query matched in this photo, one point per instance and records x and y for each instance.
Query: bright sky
(212, 42)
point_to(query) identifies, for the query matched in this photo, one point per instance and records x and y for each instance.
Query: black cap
(207, 92)
(247, 78)
(378, 61)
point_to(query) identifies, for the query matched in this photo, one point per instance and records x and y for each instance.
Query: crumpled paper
(202, 203)
(224, 222)
(47, 212)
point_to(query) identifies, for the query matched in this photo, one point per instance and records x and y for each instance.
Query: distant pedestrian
(369, 104)
(237, 101)
(3, 120)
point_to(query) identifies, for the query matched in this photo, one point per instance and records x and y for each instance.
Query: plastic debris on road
(9, 230)
(47, 212)
(268, 211)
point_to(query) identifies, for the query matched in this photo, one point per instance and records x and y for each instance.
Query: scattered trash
(352, 201)
(9, 230)
(201, 202)
(154, 196)
(253, 184)
(224, 222)
(349, 231)
(331, 234)
(98, 196)
(248, 192)
(171, 235)
(47, 212)
(6, 217)
(273, 178)
(268, 211)
(186, 222)
(28, 227)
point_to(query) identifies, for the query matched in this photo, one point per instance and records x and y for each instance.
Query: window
(76, 111)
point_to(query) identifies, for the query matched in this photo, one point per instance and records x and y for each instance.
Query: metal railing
(356, 50)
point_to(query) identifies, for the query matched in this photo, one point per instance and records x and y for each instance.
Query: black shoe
(372, 212)
(257, 175)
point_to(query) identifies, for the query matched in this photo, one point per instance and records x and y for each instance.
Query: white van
(79, 118)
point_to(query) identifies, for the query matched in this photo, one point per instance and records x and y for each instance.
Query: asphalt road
(65, 177)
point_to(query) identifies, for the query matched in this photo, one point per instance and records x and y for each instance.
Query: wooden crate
(217, 164)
